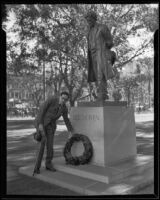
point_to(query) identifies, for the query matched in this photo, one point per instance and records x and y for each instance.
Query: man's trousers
(49, 131)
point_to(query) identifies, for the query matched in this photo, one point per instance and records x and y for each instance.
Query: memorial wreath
(85, 157)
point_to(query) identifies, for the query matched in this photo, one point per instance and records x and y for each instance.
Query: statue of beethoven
(100, 57)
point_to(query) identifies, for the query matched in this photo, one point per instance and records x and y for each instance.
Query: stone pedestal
(115, 168)
(111, 128)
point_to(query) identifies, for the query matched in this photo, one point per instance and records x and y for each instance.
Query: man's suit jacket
(49, 112)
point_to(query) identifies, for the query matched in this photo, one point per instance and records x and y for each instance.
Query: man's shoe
(50, 168)
(37, 171)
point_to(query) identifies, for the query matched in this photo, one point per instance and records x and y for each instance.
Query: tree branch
(137, 53)
(126, 12)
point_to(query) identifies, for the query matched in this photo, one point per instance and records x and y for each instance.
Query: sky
(136, 41)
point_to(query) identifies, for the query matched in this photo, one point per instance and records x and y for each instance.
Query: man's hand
(41, 129)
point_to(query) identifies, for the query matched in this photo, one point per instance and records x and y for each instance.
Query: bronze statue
(100, 57)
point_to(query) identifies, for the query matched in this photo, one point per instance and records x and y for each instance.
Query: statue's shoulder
(98, 25)
(101, 26)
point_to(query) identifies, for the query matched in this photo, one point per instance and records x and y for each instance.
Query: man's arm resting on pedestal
(67, 122)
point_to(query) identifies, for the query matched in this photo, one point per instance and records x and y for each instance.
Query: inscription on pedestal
(89, 121)
(92, 117)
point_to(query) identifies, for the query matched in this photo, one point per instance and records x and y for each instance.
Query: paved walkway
(21, 152)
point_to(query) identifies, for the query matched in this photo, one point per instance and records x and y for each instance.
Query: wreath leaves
(85, 157)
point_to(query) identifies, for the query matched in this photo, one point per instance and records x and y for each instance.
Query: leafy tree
(146, 65)
(55, 35)
(129, 84)
(34, 87)
(29, 83)
(134, 82)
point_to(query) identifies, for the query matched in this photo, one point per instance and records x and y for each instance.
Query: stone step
(107, 174)
(86, 186)
(130, 185)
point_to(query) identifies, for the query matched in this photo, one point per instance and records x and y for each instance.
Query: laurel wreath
(85, 157)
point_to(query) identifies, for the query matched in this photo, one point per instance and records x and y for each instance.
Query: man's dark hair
(65, 93)
(91, 14)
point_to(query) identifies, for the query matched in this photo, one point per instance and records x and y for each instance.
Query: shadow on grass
(24, 124)
(30, 186)
(21, 151)
(146, 127)
(20, 126)
(145, 137)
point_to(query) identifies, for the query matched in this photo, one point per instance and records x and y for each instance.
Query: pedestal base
(110, 127)
(124, 178)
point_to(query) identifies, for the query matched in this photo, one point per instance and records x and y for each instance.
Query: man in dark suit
(46, 119)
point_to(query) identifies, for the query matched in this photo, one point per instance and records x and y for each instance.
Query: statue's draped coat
(99, 55)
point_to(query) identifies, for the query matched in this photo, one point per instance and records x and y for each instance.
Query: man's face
(63, 99)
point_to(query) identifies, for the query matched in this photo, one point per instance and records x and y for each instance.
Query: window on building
(23, 95)
(16, 95)
(16, 85)
(30, 96)
(12, 94)
(20, 95)
(27, 95)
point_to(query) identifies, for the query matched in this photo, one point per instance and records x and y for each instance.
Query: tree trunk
(128, 96)
(149, 93)
(44, 87)
(72, 103)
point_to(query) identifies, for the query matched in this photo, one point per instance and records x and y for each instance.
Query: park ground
(21, 151)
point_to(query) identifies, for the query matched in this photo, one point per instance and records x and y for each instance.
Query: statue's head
(91, 17)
